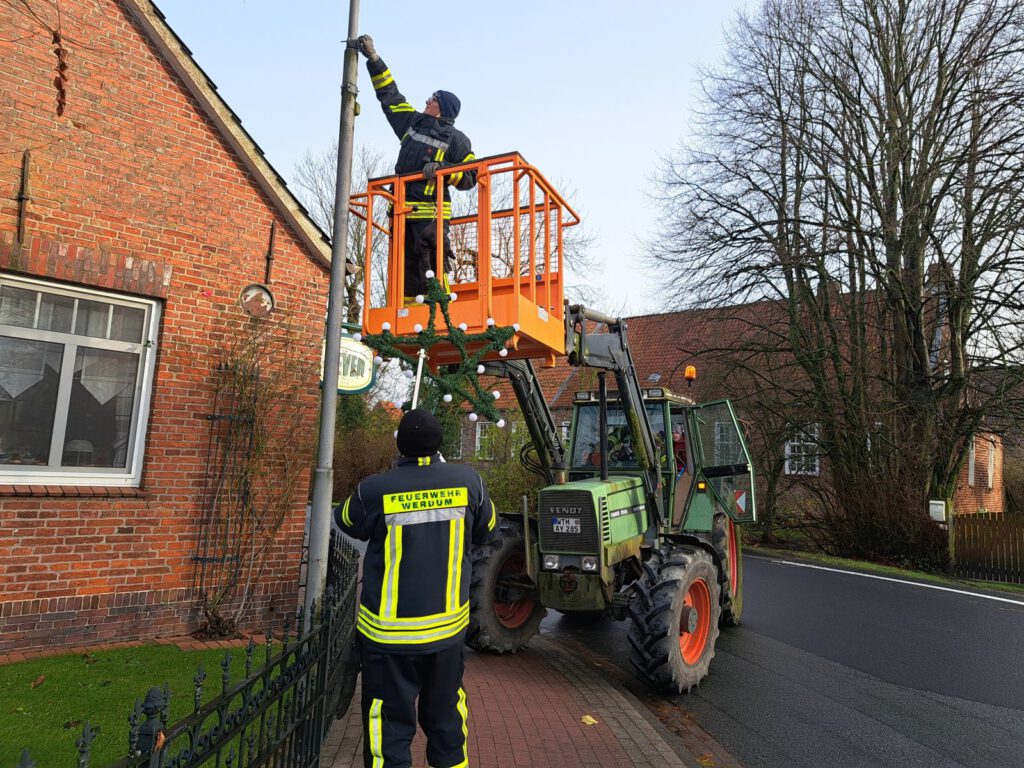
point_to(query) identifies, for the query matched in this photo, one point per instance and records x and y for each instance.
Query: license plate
(565, 525)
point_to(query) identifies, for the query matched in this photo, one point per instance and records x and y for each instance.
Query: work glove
(366, 47)
(430, 170)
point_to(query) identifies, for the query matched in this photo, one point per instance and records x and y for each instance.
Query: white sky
(592, 92)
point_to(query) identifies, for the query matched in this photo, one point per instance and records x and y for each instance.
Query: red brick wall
(969, 498)
(133, 190)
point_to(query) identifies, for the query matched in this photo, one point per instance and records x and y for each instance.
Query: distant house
(140, 227)
(664, 344)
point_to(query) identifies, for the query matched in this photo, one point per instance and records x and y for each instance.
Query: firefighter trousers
(391, 684)
(421, 254)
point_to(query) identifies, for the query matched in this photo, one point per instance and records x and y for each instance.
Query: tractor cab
(703, 457)
(505, 268)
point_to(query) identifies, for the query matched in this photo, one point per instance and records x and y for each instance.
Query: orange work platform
(506, 236)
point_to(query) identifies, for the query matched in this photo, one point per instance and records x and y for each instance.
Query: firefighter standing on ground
(420, 519)
(430, 141)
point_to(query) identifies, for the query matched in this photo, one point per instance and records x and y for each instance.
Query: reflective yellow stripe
(392, 564)
(423, 461)
(429, 210)
(494, 518)
(384, 78)
(403, 107)
(456, 542)
(411, 637)
(455, 178)
(435, 498)
(375, 733)
(468, 158)
(413, 623)
(463, 708)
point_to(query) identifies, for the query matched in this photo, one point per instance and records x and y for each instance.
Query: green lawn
(45, 702)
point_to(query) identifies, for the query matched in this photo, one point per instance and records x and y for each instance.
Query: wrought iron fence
(278, 714)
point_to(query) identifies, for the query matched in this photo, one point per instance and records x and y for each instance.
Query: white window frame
(481, 427)
(131, 474)
(798, 460)
(970, 464)
(991, 463)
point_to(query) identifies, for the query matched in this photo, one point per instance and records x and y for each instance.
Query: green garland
(461, 379)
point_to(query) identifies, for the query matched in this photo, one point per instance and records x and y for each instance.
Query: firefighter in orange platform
(430, 141)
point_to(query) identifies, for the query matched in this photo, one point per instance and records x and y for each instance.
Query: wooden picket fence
(990, 547)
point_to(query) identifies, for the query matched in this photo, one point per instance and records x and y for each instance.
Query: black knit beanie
(419, 434)
(449, 104)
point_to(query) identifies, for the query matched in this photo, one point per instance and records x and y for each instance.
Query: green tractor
(638, 521)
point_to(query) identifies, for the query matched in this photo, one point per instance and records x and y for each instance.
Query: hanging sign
(356, 371)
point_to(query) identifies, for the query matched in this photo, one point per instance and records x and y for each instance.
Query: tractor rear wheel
(504, 609)
(674, 618)
(725, 537)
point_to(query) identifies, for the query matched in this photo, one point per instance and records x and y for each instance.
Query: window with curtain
(76, 368)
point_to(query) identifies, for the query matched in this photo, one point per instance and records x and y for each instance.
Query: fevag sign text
(356, 370)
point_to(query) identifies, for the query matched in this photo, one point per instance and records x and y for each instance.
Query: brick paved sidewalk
(527, 710)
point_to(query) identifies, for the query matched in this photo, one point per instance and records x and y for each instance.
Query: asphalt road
(839, 670)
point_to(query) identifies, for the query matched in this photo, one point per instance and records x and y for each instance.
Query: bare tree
(862, 170)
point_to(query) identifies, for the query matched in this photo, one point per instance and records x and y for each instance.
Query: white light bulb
(357, 337)
(463, 327)
(420, 298)
(480, 369)
(418, 327)
(398, 404)
(496, 394)
(501, 423)
(453, 295)
(409, 374)
(503, 353)
(490, 321)
(447, 397)
(396, 431)
(430, 273)
(385, 326)
(515, 327)
(473, 417)
(378, 360)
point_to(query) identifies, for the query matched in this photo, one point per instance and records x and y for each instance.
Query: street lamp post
(320, 516)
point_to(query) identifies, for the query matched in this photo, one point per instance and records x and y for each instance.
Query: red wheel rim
(734, 561)
(513, 614)
(691, 644)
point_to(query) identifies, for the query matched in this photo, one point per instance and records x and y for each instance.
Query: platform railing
(507, 236)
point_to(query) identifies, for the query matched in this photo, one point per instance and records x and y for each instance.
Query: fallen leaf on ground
(707, 760)
(38, 681)
(72, 724)
(588, 720)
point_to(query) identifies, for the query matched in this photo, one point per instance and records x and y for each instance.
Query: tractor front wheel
(504, 611)
(674, 618)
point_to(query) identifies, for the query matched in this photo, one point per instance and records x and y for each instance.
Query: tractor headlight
(551, 562)
(590, 563)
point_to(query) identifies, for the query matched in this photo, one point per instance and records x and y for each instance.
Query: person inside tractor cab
(679, 446)
(620, 446)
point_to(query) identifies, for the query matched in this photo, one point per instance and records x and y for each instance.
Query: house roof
(152, 21)
(662, 346)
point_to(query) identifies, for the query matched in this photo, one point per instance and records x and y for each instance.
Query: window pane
(17, 306)
(55, 313)
(92, 318)
(100, 411)
(127, 324)
(29, 377)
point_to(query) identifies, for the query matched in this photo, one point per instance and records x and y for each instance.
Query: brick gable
(138, 188)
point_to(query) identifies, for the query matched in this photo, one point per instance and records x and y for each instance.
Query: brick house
(134, 212)
(658, 342)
